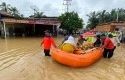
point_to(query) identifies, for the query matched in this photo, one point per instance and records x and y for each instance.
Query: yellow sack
(67, 47)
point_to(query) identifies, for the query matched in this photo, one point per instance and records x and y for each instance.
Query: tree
(14, 12)
(96, 18)
(70, 21)
(5, 7)
(38, 15)
(93, 20)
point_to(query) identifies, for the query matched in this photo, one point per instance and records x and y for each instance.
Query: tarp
(89, 34)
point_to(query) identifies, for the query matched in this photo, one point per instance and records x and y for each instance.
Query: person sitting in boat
(80, 41)
(97, 43)
(69, 45)
(65, 38)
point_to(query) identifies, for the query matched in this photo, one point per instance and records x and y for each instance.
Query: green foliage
(37, 15)
(96, 18)
(71, 21)
(12, 10)
(5, 7)
(93, 20)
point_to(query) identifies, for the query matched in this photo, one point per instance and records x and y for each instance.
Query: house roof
(3, 13)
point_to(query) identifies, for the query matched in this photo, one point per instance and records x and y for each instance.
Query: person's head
(47, 33)
(98, 37)
(103, 36)
(81, 36)
(110, 36)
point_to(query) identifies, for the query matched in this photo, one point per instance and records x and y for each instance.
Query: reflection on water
(23, 59)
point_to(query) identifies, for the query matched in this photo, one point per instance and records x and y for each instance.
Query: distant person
(69, 45)
(97, 33)
(119, 35)
(66, 36)
(47, 41)
(115, 40)
(122, 37)
(108, 46)
(106, 34)
(97, 43)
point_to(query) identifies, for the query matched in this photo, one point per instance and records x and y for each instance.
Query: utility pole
(35, 9)
(117, 16)
(67, 4)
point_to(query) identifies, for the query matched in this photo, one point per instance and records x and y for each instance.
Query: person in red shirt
(108, 46)
(47, 42)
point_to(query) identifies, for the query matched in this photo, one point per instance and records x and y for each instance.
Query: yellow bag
(67, 47)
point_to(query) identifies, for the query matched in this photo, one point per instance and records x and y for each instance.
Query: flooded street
(23, 59)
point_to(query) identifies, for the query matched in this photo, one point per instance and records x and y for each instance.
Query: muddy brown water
(23, 59)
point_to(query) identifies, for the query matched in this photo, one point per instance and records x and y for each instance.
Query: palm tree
(5, 7)
(93, 20)
(22, 16)
(121, 14)
(102, 16)
(38, 15)
(14, 11)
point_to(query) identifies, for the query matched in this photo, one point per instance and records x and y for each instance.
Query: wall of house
(103, 28)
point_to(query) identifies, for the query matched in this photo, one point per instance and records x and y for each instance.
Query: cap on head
(98, 36)
(110, 36)
(48, 31)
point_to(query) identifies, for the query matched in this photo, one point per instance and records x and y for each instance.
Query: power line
(67, 4)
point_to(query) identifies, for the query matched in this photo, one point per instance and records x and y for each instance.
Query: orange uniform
(47, 41)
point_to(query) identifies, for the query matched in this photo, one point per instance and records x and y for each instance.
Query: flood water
(23, 59)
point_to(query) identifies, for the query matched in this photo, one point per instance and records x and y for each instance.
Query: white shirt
(115, 40)
(70, 40)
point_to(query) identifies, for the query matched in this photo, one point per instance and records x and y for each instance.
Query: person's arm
(53, 42)
(65, 38)
(42, 42)
(103, 46)
(85, 39)
(106, 42)
(117, 40)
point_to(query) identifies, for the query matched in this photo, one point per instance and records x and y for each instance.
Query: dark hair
(48, 31)
(103, 35)
(81, 35)
(110, 36)
(98, 36)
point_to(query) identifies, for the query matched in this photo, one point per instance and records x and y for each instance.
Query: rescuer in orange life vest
(47, 41)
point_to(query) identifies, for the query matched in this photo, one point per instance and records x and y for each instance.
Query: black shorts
(47, 52)
(108, 53)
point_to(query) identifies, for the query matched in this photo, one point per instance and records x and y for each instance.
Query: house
(11, 26)
(110, 26)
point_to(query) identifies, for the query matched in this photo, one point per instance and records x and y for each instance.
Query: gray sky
(56, 7)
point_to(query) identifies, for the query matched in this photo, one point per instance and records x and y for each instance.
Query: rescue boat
(77, 59)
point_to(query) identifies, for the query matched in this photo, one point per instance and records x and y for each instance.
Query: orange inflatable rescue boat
(77, 59)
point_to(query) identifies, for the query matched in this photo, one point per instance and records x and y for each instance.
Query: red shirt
(47, 41)
(109, 43)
